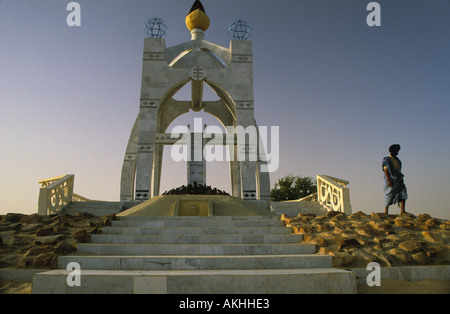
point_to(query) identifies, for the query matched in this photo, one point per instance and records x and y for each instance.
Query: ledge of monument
(223, 205)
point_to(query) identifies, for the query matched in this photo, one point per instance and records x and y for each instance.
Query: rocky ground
(33, 241)
(391, 240)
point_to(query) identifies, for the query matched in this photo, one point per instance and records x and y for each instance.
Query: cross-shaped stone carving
(197, 73)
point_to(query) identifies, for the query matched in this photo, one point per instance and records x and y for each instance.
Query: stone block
(150, 285)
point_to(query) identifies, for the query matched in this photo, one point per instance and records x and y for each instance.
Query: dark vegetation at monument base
(33, 241)
(292, 188)
(195, 189)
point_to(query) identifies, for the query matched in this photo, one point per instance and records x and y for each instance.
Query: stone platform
(206, 205)
(198, 255)
(97, 208)
(272, 281)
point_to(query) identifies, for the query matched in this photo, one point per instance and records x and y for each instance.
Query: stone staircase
(198, 255)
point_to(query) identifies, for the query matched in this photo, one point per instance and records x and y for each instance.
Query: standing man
(394, 187)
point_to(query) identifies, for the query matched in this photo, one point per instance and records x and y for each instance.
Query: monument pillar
(144, 160)
(196, 165)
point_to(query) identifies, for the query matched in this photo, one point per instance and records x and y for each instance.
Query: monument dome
(197, 17)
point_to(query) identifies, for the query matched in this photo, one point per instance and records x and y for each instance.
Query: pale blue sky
(340, 91)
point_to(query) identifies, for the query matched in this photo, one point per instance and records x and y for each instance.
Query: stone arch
(214, 169)
(170, 109)
(165, 71)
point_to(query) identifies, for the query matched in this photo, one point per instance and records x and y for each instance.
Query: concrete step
(179, 223)
(195, 249)
(293, 208)
(104, 204)
(198, 255)
(252, 281)
(196, 239)
(97, 211)
(98, 208)
(180, 262)
(197, 218)
(196, 231)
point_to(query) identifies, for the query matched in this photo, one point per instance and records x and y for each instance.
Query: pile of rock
(390, 240)
(33, 241)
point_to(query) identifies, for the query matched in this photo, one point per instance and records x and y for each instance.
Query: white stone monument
(228, 72)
